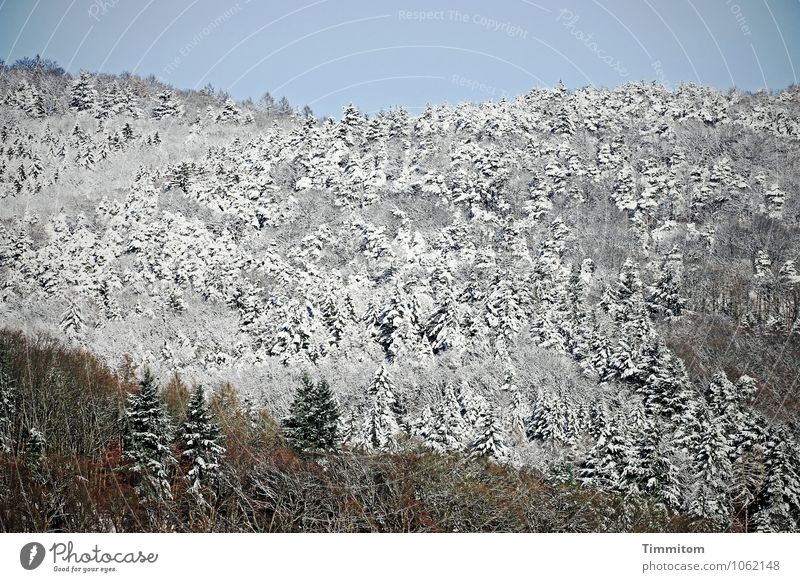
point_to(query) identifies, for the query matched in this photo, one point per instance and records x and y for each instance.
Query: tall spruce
(8, 399)
(146, 442)
(313, 417)
(777, 506)
(382, 424)
(201, 445)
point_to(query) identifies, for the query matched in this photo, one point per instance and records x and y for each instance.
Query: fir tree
(34, 447)
(651, 471)
(664, 296)
(167, 106)
(397, 324)
(777, 506)
(293, 334)
(8, 403)
(624, 301)
(146, 442)
(72, 323)
(542, 423)
(201, 444)
(442, 328)
(712, 471)
(383, 421)
(229, 113)
(313, 417)
(504, 311)
(606, 463)
(447, 430)
(490, 442)
(333, 317)
(83, 96)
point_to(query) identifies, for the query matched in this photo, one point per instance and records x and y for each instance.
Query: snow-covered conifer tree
(397, 324)
(8, 403)
(490, 442)
(146, 442)
(83, 96)
(229, 113)
(72, 322)
(605, 464)
(313, 418)
(777, 506)
(711, 465)
(382, 424)
(200, 443)
(665, 297)
(448, 430)
(167, 106)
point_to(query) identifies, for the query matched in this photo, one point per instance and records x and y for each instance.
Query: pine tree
(83, 96)
(504, 311)
(294, 334)
(664, 296)
(606, 463)
(167, 106)
(34, 447)
(721, 395)
(201, 444)
(351, 129)
(72, 320)
(652, 470)
(383, 421)
(146, 442)
(624, 301)
(542, 423)
(712, 471)
(397, 325)
(662, 380)
(313, 417)
(744, 430)
(84, 157)
(491, 442)
(442, 328)
(562, 123)
(229, 113)
(747, 429)
(8, 403)
(333, 317)
(447, 430)
(777, 506)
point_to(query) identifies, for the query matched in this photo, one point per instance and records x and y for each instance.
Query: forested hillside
(598, 287)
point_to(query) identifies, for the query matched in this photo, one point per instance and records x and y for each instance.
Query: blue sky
(377, 54)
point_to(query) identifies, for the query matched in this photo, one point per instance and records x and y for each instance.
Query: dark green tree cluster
(313, 417)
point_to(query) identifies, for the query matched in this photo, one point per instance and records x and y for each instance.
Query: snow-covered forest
(599, 287)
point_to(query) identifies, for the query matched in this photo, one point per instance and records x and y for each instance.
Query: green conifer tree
(146, 442)
(313, 417)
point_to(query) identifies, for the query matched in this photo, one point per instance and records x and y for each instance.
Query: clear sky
(380, 53)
